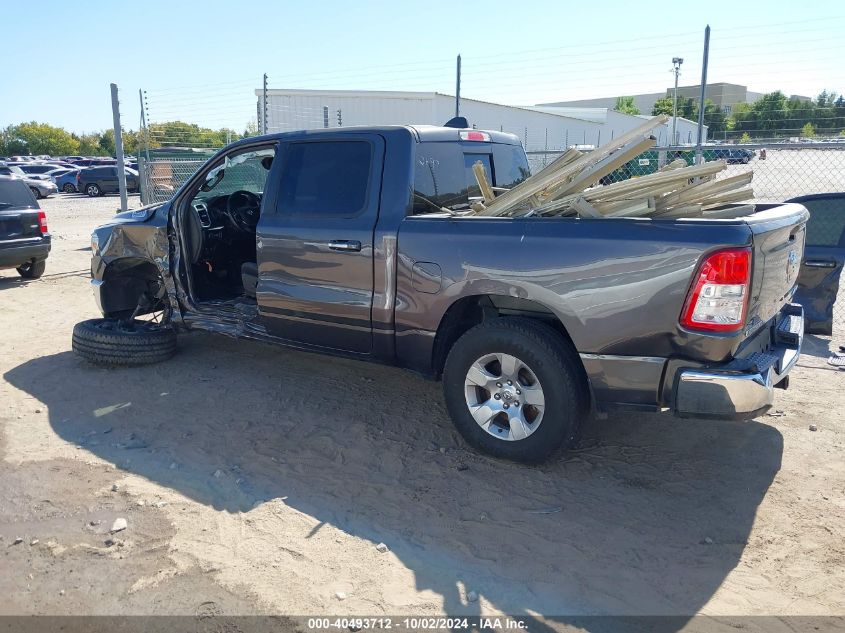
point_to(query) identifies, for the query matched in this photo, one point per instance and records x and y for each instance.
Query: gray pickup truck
(356, 242)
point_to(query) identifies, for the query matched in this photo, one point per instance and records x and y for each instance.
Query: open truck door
(824, 256)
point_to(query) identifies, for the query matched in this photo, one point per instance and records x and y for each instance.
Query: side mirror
(212, 180)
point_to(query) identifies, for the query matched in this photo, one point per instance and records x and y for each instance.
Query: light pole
(676, 63)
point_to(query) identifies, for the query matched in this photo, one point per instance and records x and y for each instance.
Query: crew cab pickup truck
(358, 242)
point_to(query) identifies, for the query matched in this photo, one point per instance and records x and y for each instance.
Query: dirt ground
(258, 480)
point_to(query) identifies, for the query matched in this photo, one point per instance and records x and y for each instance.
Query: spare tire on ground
(116, 342)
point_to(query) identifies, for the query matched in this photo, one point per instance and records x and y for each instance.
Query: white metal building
(540, 128)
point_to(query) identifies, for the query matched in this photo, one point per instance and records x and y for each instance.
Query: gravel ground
(259, 480)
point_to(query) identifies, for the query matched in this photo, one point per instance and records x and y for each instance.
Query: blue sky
(201, 61)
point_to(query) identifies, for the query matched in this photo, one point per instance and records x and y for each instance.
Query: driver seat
(249, 278)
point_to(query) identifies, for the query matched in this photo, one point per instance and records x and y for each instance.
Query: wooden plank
(734, 211)
(741, 195)
(702, 190)
(636, 209)
(585, 209)
(483, 183)
(546, 178)
(603, 168)
(672, 179)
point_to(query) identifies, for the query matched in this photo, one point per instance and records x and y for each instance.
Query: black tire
(93, 190)
(112, 342)
(35, 192)
(69, 188)
(32, 270)
(557, 367)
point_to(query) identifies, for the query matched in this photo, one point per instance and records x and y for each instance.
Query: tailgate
(779, 232)
(15, 225)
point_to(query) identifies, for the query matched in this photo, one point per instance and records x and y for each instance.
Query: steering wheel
(244, 208)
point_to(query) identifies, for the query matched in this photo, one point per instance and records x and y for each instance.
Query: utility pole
(676, 62)
(698, 156)
(458, 89)
(264, 97)
(118, 146)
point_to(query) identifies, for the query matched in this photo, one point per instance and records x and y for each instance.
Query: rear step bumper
(743, 388)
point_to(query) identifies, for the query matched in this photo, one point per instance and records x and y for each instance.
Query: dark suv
(96, 181)
(24, 240)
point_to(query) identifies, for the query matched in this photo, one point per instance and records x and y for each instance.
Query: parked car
(41, 186)
(67, 182)
(38, 170)
(96, 181)
(732, 155)
(24, 238)
(531, 322)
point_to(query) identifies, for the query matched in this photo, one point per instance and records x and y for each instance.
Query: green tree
(39, 138)
(808, 131)
(625, 105)
(662, 106)
(746, 138)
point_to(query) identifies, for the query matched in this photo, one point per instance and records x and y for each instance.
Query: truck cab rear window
(443, 175)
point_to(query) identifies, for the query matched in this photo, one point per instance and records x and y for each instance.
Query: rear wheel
(35, 192)
(514, 388)
(117, 342)
(93, 190)
(69, 188)
(32, 270)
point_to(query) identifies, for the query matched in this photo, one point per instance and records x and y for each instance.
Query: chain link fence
(161, 177)
(781, 171)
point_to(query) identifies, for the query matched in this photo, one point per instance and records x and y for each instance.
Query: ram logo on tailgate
(791, 265)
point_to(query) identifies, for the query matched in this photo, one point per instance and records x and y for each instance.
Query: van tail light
(42, 222)
(718, 297)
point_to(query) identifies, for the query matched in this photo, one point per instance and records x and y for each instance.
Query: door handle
(345, 245)
(820, 263)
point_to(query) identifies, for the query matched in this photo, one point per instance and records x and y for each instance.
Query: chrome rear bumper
(743, 388)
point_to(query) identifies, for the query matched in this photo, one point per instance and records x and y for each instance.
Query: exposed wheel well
(470, 311)
(124, 281)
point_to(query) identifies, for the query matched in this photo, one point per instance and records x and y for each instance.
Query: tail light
(718, 297)
(42, 222)
(78, 176)
(475, 136)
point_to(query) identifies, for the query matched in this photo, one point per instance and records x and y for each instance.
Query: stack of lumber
(569, 186)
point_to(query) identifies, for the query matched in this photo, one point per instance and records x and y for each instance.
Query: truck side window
(439, 177)
(826, 226)
(325, 178)
(510, 166)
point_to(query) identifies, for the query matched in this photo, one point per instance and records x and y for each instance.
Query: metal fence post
(118, 146)
(698, 156)
(325, 116)
(264, 100)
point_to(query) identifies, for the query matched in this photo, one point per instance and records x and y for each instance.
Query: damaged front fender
(127, 254)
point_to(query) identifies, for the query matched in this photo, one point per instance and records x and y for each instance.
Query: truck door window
(325, 178)
(827, 221)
